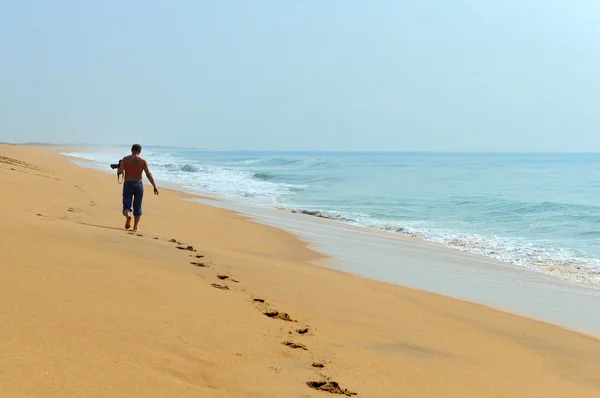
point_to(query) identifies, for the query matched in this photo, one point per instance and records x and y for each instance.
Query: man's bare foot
(128, 222)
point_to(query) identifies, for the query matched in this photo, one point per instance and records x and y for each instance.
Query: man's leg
(127, 198)
(136, 221)
(128, 219)
(137, 205)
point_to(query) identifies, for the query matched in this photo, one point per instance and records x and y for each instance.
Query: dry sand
(90, 310)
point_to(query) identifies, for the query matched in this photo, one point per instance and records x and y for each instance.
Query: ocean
(538, 211)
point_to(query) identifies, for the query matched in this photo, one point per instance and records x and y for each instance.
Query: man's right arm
(121, 169)
(150, 178)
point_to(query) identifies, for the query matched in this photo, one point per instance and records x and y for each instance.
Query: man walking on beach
(133, 187)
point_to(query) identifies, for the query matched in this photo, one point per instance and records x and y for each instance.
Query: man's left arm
(149, 175)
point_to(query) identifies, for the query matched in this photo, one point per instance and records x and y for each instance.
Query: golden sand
(90, 310)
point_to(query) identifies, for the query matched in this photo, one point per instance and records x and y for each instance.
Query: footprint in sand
(199, 264)
(223, 277)
(317, 365)
(271, 313)
(189, 248)
(329, 386)
(217, 286)
(279, 315)
(295, 345)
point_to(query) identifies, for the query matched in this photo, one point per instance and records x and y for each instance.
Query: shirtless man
(133, 187)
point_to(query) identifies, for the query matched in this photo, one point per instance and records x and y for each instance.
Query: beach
(205, 302)
(398, 259)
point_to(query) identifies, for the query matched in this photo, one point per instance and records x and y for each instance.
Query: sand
(401, 259)
(88, 309)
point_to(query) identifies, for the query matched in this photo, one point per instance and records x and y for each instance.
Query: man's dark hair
(136, 148)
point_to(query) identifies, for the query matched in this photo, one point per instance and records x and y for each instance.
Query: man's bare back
(134, 166)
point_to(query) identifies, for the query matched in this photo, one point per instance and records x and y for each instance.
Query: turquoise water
(535, 211)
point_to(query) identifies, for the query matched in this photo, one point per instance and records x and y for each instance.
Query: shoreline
(93, 310)
(434, 268)
(576, 307)
(573, 269)
(552, 271)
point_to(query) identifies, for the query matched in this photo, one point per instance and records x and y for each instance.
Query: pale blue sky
(510, 75)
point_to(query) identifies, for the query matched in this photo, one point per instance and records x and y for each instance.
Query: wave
(189, 168)
(263, 176)
(283, 162)
(566, 264)
(461, 222)
(104, 158)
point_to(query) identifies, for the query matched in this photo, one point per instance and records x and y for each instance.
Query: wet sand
(89, 309)
(407, 261)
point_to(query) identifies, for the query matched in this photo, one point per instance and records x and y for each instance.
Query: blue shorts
(133, 191)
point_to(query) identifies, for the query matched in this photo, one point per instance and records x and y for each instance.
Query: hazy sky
(329, 74)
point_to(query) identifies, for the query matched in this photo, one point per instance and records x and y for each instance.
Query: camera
(115, 166)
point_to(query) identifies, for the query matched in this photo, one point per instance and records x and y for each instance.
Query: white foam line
(439, 269)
